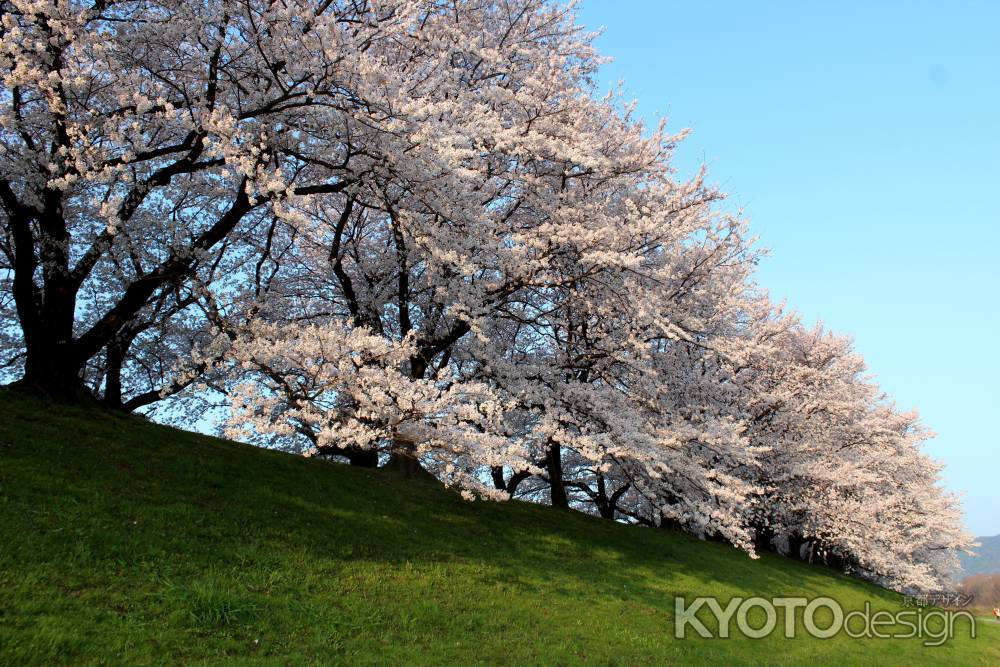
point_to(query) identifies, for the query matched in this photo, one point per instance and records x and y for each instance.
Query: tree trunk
(363, 458)
(52, 368)
(762, 539)
(553, 464)
(53, 364)
(795, 544)
(403, 460)
(604, 505)
(802, 548)
(113, 375)
(499, 483)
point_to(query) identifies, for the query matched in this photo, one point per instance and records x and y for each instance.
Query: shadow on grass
(182, 502)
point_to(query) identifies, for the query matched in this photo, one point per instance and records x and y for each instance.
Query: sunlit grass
(125, 542)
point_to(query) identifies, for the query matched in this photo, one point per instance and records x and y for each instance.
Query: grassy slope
(136, 543)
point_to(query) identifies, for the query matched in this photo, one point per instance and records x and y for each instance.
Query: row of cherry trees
(407, 233)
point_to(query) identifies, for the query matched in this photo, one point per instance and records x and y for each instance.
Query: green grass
(124, 542)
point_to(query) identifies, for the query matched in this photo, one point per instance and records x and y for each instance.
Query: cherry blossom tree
(534, 202)
(840, 474)
(148, 143)
(408, 233)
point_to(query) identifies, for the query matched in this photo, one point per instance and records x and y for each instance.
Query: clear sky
(862, 139)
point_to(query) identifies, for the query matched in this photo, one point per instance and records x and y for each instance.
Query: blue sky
(862, 140)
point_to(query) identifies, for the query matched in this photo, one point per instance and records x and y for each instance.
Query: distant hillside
(127, 543)
(984, 590)
(988, 559)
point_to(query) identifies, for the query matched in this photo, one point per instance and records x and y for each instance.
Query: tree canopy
(409, 232)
